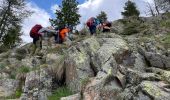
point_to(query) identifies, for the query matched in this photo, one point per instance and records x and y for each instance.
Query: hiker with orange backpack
(92, 24)
(37, 33)
(63, 35)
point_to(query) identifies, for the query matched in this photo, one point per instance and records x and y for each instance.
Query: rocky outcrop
(103, 67)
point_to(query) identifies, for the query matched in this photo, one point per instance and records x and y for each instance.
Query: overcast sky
(44, 9)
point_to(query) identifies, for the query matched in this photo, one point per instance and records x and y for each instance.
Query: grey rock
(72, 97)
(8, 87)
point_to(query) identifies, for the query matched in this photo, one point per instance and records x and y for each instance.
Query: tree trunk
(4, 19)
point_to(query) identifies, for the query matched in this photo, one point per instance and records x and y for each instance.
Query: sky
(45, 9)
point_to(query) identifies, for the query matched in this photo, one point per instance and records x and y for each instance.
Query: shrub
(60, 92)
(166, 40)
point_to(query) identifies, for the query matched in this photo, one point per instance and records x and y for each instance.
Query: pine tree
(67, 15)
(12, 12)
(130, 9)
(102, 16)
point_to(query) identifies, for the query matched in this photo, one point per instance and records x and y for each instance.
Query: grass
(23, 69)
(14, 96)
(165, 23)
(166, 41)
(60, 92)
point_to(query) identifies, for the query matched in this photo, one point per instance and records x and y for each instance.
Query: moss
(150, 89)
(85, 81)
(80, 58)
(60, 92)
(166, 76)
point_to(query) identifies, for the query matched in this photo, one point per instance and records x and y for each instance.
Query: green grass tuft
(23, 69)
(60, 92)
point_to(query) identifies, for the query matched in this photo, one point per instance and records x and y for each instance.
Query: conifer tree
(12, 12)
(130, 9)
(67, 15)
(102, 16)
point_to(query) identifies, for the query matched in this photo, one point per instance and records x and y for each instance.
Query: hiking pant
(92, 29)
(37, 45)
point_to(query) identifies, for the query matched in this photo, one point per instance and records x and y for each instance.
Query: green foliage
(3, 48)
(166, 41)
(130, 9)
(18, 93)
(130, 29)
(102, 16)
(165, 24)
(67, 15)
(2, 66)
(60, 92)
(23, 69)
(11, 38)
(12, 12)
(12, 76)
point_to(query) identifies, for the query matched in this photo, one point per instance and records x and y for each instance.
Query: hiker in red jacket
(37, 33)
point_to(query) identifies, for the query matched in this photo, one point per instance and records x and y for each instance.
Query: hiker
(106, 26)
(63, 35)
(92, 24)
(38, 33)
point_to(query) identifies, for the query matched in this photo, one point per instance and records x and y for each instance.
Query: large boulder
(38, 84)
(155, 90)
(8, 87)
(78, 65)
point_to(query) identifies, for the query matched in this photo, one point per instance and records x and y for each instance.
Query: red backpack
(34, 31)
(90, 21)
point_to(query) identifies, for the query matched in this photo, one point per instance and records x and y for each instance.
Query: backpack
(90, 21)
(34, 31)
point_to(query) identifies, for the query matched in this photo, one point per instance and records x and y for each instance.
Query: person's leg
(34, 46)
(91, 30)
(38, 45)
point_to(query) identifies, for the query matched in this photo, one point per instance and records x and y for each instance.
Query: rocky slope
(103, 67)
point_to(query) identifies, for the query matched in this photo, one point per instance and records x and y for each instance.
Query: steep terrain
(109, 66)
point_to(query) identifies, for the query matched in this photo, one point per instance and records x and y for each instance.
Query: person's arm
(106, 27)
(46, 30)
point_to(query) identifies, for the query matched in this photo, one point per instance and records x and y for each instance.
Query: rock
(31, 62)
(110, 47)
(157, 60)
(4, 75)
(133, 77)
(72, 97)
(77, 69)
(37, 81)
(8, 87)
(78, 65)
(104, 86)
(155, 90)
